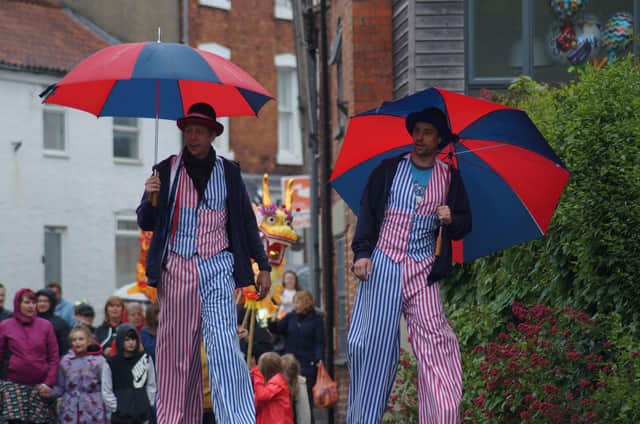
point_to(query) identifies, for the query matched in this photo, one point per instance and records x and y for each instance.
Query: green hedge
(590, 257)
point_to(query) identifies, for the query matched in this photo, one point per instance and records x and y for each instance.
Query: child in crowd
(78, 382)
(273, 402)
(129, 380)
(297, 388)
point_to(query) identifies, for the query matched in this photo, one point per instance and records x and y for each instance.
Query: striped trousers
(374, 347)
(196, 299)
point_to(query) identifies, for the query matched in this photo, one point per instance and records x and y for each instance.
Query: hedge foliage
(590, 257)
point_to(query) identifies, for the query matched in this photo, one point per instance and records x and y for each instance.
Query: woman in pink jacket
(29, 344)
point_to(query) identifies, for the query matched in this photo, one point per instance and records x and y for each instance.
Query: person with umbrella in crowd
(45, 306)
(204, 237)
(30, 344)
(407, 200)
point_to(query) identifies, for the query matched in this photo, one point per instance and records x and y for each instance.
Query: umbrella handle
(252, 327)
(154, 199)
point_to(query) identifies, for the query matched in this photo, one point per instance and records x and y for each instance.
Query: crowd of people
(54, 370)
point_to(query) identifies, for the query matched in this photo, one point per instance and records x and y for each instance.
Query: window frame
(129, 234)
(64, 152)
(292, 156)
(282, 12)
(127, 129)
(222, 143)
(60, 230)
(216, 4)
(528, 12)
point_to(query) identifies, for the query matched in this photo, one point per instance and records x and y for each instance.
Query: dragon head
(275, 223)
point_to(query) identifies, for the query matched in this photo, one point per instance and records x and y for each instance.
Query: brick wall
(367, 82)
(254, 37)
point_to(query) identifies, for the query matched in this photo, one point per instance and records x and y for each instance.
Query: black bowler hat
(203, 114)
(433, 116)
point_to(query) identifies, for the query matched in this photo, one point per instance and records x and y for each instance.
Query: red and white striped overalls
(400, 264)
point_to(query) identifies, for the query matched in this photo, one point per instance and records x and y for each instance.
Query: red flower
(573, 355)
(634, 355)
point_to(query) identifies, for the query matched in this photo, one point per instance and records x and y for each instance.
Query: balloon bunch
(575, 40)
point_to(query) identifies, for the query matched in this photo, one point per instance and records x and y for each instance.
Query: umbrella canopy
(157, 80)
(513, 178)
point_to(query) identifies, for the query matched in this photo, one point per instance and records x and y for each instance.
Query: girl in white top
(297, 388)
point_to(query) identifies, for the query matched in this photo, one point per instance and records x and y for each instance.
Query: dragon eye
(287, 222)
(271, 220)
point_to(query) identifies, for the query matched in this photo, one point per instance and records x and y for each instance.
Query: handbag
(325, 391)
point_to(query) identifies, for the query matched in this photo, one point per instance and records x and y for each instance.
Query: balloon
(551, 40)
(618, 31)
(588, 40)
(567, 9)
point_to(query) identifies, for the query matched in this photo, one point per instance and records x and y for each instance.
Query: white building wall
(82, 191)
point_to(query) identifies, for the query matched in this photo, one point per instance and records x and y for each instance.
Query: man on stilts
(204, 237)
(408, 199)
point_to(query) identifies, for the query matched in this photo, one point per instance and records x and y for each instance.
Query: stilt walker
(405, 203)
(205, 235)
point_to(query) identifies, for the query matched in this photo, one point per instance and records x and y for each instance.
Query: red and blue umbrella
(157, 80)
(513, 178)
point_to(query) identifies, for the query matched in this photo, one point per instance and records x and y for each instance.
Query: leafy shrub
(544, 368)
(589, 257)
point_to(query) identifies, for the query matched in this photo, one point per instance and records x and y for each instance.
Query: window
(218, 4)
(125, 138)
(127, 250)
(507, 38)
(222, 143)
(342, 301)
(289, 133)
(53, 130)
(52, 257)
(336, 59)
(282, 9)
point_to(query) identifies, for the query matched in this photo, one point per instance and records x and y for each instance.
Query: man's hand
(362, 268)
(152, 184)
(444, 214)
(263, 284)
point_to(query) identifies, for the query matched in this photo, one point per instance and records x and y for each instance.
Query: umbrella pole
(252, 327)
(154, 196)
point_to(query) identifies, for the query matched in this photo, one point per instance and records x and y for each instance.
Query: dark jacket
(242, 229)
(5, 313)
(105, 335)
(372, 209)
(60, 326)
(304, 338)
(133, 402)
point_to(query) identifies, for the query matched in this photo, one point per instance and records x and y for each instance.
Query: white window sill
(59, 154)
(218, 4)
(283, 13)
(288, 158)
(126, 161)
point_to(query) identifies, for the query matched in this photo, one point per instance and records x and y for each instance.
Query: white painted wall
(83, 192)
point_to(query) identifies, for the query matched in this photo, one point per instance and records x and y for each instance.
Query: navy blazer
(372, 208)
(242, 229)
